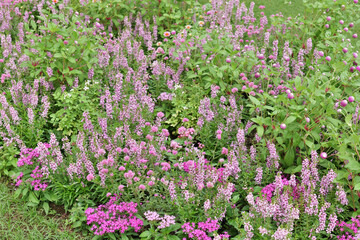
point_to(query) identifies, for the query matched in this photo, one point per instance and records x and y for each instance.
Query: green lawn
(19, 222)
(286, 7)
(275, 6)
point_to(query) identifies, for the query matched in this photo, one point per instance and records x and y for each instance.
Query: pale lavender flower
(207, 205)
(281, 234)
(258, 177)
(332, 223)
(167, 221)
(152, 216)
(341, 196)
(263, 231)
(49, 71)
(30, 115)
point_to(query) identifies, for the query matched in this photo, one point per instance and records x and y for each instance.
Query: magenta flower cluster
(349, 230)
(202, 230)
(113, 217)
(37, 179)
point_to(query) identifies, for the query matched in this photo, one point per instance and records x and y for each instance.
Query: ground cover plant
(184, 119)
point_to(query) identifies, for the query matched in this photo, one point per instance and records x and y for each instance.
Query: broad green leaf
(353, 165)
(33, 198)
(254, 100)
(25, 191)
(72, 60)
(112, 236)
(293, 169)
(257, 120)
(145, 234)
(348, 120)
(341, 174)
(57, 55)
(260, 130)
(17, 192)
(289, 157)
(290, 119)
(173, 237)
(357, 187)
(46, 207)
(310, 144)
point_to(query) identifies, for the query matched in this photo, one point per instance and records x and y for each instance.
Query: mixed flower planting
(184, 119)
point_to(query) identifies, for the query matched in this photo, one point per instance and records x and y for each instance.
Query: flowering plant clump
(113, 217)
(203, 228)
(196, 118)
(349, 230)
(288, 201)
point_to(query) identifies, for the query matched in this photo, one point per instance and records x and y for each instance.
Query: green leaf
(293, 169)
(72, 60)
(46, 207)
(260, 130)
(339, 66)
(348, 120)
(357, 187)
(254, 100)
(289, 157)
(33, 24)
(341, 174)
(297, 81)
(173, 237)
(290, 119)
(112, 236)
(310, 144)
(124, 237)
(25, 191)
(31, 204)
(235, 198)
(357, 182)
(76, 72)
(257, 120)
(69, 81)
(222, 85)
(96, 237)
(50, 197)
(353, 165)
(76, 224)
(57, 55)
(192, 75)
(17, 193)
(33, 198)
(145, 234)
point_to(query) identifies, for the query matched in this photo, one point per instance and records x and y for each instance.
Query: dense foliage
(184, 119)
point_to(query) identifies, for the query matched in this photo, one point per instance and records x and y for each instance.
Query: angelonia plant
(184, 119)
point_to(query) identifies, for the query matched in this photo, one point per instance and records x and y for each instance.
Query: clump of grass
(289, 8)
(18, 221)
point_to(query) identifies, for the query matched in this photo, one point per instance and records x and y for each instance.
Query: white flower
(86, 88)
